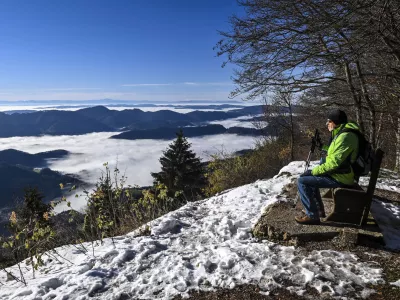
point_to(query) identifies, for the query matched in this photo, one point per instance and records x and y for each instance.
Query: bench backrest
(376, 165)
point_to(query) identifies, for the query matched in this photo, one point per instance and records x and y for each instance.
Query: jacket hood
(350, 125)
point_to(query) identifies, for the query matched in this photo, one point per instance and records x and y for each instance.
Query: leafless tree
(346, 53)
(279, 113)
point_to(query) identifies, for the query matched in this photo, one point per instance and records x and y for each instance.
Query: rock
(10, 277)
(347, 238)
(277, 224)
(290, 190)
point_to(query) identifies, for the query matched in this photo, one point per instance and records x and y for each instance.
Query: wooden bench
(352, 205)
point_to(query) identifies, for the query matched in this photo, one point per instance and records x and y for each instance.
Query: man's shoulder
(351, 127)
(348, 134)
(349, 131)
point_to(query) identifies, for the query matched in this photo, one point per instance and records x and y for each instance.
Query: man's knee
(300, 180)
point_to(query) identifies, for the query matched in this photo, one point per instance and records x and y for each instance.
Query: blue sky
(119, 49)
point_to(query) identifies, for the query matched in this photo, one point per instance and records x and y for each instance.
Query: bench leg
(349, 206)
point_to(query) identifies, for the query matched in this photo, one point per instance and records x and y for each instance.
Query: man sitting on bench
(335, 171)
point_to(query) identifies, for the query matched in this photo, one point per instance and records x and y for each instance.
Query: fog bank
(136, 159)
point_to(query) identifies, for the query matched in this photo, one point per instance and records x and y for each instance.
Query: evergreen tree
(181, 169)
(31, 211)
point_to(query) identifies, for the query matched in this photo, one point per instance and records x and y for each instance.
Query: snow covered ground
(387, 180)
(202, 246)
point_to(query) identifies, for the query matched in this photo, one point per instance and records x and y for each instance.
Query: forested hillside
(101, 119)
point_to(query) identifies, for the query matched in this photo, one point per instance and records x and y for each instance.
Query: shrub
(31, 231)
(155, 202)
(114, 209)
(225, 170)
(107, 206)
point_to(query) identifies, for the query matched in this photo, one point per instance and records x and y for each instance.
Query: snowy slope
(387, 180)
(203, 245)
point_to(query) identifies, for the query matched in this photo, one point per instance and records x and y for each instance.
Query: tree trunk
(356, 100)
(397, 165)
(370, 105)
(378, 131)
(291, 133)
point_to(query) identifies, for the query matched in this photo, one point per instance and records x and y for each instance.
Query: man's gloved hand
(306, 173)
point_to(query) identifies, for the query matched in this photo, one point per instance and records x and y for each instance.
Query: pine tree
(32, 210)
(181, 169)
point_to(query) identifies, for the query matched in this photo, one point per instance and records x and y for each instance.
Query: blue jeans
(310, 196)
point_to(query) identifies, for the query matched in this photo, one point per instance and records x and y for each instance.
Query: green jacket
(342, 152)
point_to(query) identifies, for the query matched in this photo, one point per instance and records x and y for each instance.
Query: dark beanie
(338, 116)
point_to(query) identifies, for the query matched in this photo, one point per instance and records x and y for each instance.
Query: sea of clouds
(179, 107)
(134, 158)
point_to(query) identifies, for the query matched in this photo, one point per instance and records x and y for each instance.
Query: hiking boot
(306, 220)
(321, 213)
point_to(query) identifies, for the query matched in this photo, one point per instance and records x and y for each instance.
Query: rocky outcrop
(277, 224)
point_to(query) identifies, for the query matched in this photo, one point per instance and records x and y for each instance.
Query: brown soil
(245, 292)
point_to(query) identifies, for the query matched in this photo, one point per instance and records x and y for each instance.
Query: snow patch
(396, 283)
(387, 215)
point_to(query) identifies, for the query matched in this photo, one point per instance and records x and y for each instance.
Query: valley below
(63, 152)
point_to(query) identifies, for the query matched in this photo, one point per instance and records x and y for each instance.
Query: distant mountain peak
(97, 108)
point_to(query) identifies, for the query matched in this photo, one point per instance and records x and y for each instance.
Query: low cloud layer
(135, 158)
(244, 121)
(75, 108)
